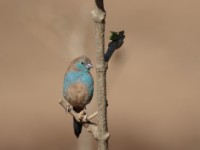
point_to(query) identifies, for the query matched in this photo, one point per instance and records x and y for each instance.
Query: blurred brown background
(153, 80)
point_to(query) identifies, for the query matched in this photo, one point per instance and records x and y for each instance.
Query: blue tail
(77, 127)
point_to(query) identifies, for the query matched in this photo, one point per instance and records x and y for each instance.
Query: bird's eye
(82, 63)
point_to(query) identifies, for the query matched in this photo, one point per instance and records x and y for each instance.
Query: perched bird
(78, 87)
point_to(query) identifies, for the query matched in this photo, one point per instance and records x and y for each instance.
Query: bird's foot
(82, 115)
(69, 108)
(85, 118)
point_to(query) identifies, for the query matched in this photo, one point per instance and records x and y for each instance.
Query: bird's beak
(89, 66)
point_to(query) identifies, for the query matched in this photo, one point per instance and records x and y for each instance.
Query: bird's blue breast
(75, 76)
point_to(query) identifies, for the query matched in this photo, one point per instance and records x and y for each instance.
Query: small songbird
(78, 87)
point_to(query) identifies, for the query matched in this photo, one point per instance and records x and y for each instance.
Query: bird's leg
(69, 108)
(82, 115)
(85, 116)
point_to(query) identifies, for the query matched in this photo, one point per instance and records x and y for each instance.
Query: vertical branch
(98, 15)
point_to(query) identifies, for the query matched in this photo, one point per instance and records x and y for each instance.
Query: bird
(78, 87)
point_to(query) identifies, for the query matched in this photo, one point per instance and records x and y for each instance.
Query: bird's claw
(83, 116)
(69, 108)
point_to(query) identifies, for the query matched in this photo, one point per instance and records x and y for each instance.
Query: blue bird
(78, 87)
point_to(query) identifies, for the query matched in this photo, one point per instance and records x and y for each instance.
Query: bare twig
(92, 116)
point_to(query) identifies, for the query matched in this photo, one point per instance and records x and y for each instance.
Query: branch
(98, 16)
(82, 118)
(117, 40)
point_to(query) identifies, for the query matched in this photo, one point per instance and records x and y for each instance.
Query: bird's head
(82, 63)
